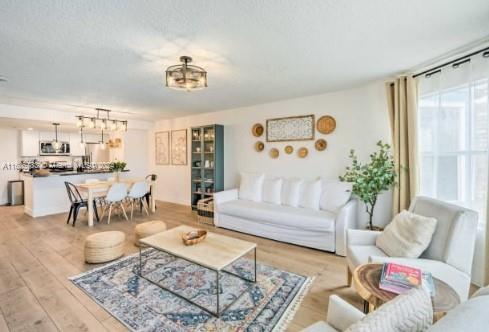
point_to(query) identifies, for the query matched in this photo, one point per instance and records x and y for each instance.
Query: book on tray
(398, 279)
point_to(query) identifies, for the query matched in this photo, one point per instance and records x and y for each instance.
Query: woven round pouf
(147, 229)
(104, 247)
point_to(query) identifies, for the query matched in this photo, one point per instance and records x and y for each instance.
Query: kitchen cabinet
(29, 146)
(75, 145)
(49, 136)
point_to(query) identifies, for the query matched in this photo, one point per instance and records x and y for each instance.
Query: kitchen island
(46, 195)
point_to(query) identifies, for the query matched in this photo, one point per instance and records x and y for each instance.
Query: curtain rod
(438, 68)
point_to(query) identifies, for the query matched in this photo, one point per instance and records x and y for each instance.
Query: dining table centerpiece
(117, 167)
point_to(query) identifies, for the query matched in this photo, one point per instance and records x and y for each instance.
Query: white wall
(135, 147)
(362, 120)
(9, 139)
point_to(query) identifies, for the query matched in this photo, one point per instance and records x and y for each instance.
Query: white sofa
(469, 316)
(449, 255)
(314, 228)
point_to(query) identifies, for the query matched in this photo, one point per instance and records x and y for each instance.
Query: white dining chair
(115, 197)
(137, 195)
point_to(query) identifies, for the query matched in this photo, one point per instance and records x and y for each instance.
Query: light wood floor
(38, 255)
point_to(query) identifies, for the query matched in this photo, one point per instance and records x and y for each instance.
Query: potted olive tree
(117, 167)
(372, 178)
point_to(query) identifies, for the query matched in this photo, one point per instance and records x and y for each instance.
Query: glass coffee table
(215, 253)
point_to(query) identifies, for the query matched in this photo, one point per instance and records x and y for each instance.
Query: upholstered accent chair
(449, 255)
(340, 316)
(468, 316)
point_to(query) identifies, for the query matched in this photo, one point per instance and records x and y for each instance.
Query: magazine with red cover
(403, 275)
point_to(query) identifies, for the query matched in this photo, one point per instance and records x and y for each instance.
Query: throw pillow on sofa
(251, 186)
(272, 191)
(291, 192)
(408, 235)
(334, 195)
(310, 194)
(409, 312)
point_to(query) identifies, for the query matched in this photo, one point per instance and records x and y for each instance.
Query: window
(453, 127)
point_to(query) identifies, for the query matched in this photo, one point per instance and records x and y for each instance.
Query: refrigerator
(95, 154)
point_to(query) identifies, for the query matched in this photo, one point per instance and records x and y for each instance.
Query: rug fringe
(289, 314)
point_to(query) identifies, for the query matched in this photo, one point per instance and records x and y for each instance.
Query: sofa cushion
(285, 216)
(409, 312)
(291, 192)
(272, 191)
(334, 195)
(251, 186)
(310, 194)
(408, 235)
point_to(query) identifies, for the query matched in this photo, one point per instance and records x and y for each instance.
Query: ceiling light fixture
(102, 143)
(56, 144)
(82, 141)
(186, 77)
(102, 120)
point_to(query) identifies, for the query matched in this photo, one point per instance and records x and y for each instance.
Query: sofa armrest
(341, 314)
(223, 197)
(346, 218)
(359, 237)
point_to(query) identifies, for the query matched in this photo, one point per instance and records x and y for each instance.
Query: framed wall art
(179, 147)
(162, 148)
(294, 128)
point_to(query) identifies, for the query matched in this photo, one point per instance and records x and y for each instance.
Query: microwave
(46, 148)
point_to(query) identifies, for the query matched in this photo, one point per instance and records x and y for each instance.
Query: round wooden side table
(366, 280)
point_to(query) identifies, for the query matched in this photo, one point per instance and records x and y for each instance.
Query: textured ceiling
(62, 54)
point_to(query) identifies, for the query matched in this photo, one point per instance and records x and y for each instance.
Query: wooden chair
(77, 202)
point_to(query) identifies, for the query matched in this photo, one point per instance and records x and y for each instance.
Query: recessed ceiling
(113, 54)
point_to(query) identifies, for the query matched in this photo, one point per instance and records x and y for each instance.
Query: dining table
(94, 190)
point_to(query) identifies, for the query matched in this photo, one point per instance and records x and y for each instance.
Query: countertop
(71, 173)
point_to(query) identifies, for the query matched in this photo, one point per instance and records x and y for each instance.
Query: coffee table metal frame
(218, 272)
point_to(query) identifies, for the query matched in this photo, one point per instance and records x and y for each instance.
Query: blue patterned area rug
(268, 305)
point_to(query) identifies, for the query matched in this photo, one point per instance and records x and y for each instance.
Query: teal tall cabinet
(207, 164)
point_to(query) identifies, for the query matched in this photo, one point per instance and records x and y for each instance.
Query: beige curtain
(402, 105)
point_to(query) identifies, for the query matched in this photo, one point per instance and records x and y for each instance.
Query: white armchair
(449, 255)
(340, 316)
(469, 316)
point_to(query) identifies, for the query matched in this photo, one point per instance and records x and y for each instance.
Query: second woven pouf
(147, 229)
(104, 246)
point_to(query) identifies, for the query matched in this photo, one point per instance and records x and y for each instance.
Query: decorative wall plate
(274, 153)
(326, 124)
(302, 152)
(321, 144)
(257, 130)
(289, 149)
(259, 146)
